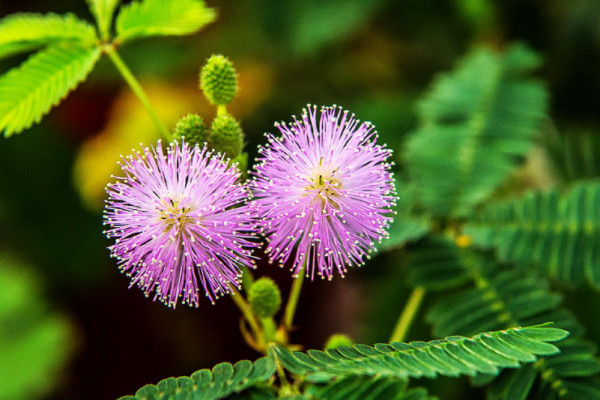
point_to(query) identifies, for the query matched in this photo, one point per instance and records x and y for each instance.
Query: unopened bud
(264, 297)
(218, 80)
(226, 136)
(337, 340)
(191, 128)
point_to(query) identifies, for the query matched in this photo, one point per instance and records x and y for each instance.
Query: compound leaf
(103, 11)
(162, 17)
(559, 233)
(406, 226)
(222, 381)
(454, 356)
(28, 31)
(366, 388)
(29, 91)
(481, 294)
(477, 122)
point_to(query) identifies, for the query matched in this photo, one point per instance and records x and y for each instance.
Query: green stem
(221, 110)
(247, 279)
(290, 308)
(408, 314)
(285, 389)
(249, 316)
(136, 87)
(269, 329)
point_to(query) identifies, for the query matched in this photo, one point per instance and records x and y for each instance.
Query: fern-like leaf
(29, 91)
(454, 356)
(557, 232)
(485, 295)
(571, 374)
(406, 226)
(103, 11)
(28, 31)
(143, 18)
(366, 388)
(573, 155)
(476, 123)
(220, 382)
(257, 393)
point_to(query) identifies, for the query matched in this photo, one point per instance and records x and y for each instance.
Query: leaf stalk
(133, 83)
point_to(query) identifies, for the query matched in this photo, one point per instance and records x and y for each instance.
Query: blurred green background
(70, 320)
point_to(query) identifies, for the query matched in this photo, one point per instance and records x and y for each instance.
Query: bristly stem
(290, 308)
(136, 87)
(408, 314)
(249, 316)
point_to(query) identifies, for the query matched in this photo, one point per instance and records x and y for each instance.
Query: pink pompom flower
(180, 222)
(324, 192)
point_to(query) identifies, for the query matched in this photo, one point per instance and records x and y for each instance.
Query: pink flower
(180, 221)
(324, 192)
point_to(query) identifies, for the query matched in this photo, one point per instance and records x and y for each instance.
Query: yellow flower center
(173, 213)
(324, 185)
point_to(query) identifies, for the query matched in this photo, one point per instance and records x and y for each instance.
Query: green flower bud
(242, 160)
(226, 136)
(191, 128)
(264, 297)
(337, 340)
(218, 80)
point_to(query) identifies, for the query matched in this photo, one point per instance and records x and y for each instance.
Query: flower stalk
(290, 308)
(249, 316)
(408, 314)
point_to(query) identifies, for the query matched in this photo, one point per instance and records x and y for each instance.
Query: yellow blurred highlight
(255, 82)
(129, 124)
(464, 240)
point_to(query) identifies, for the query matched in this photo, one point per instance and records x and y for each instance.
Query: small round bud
(218, 80)
(337, 340)
(264, 297)
(191, 128)
(226, 136)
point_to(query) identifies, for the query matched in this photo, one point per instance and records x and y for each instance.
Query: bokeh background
(67, 317)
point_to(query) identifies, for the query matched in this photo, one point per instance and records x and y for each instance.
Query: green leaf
(418, 394)
(583, 390)
(28, 31)
(162, 17)
(485, 295)
(103, 11)
(557, 232)
(573, 154)
(309, 21)
(571, 374)
(457, 355)
(520, 383)
(477, 122)
(366, 388)
(219, 383)
(407, 226)
(436, 265)
(35, 344)
(257, 393)
(29, 91)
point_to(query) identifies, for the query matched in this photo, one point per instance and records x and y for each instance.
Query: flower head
(179, 221)
(324, 191)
